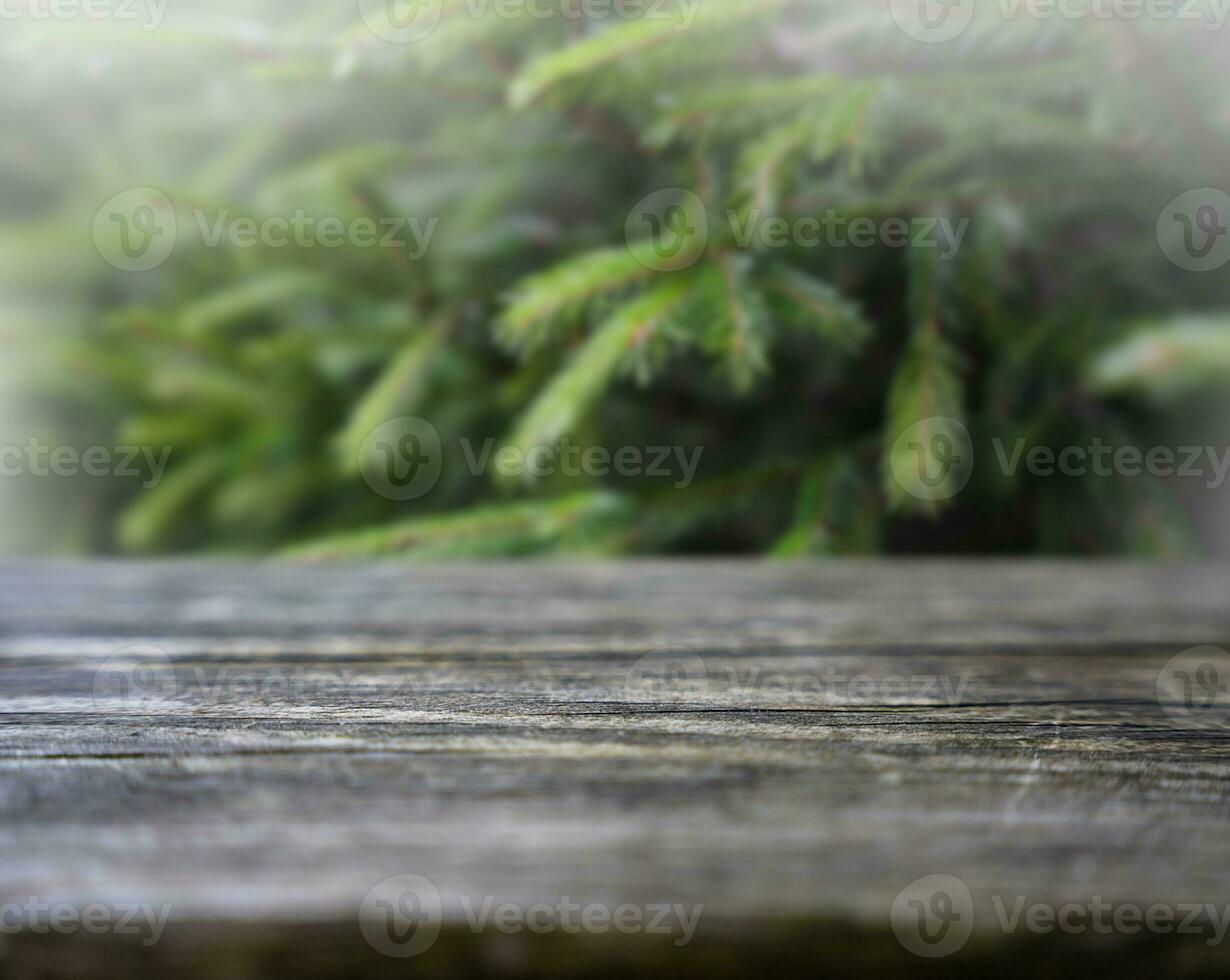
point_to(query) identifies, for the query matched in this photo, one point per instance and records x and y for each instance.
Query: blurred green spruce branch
(540, 312)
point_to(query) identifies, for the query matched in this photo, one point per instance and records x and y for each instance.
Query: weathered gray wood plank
(830, 733)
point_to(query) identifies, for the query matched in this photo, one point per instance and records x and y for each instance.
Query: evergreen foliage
(542, 309)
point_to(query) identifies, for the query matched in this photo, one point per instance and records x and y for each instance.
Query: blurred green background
(568, 183)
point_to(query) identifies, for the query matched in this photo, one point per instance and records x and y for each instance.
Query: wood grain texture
(813, 738)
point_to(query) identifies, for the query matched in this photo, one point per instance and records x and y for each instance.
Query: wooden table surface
(787, 746)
